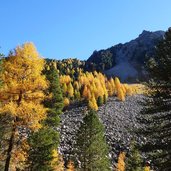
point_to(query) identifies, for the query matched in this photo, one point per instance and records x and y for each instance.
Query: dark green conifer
(100, 101)
(43, 142)
(104, 99)
(55, 104)
(157, 108)
(91, 148)
(134, 159)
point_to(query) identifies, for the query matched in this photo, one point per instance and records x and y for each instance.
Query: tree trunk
(11, 143)
(12, 138)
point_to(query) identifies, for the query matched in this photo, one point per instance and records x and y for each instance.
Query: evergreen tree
(42, 144)
(91, 147)
(104, 99)
(46, 140)
(157, 108)
(134, 161)
(100, 101)
(55, 104)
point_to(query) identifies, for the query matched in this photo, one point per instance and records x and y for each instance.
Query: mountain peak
(126, 58)
(146, 33)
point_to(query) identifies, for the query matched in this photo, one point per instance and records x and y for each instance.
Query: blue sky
(75, 28)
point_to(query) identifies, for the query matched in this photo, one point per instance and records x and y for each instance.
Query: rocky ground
(119, 119)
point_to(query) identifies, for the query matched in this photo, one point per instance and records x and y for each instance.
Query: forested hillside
(58, 115)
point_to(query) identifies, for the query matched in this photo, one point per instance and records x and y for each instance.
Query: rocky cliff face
(127, 60)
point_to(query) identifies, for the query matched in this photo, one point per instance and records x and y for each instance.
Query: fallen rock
(119, 119)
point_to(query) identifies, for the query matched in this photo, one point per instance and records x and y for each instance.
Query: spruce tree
(55, 104)
(134, 161)
(42, 144)
(156, 114)
(46, 140)
(91, 148)
(99, 100)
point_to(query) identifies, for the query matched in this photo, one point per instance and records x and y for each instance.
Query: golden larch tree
(21, 96)
(64, 88)
(92, 103)
(57, 162)
(121, 95)
(147, 168)
(70, 90)
(109, 87)
(66, 102)
(120, 90)
(117, 83)
(85, 92)
(70, 166)
(121, 162)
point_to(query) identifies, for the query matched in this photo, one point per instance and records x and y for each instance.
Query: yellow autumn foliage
(121, 162)
(21, 95)
(93, 104)
(147, 168)
(66, 102)
(96, 84)
(57, 162)
(65, 79)
(23, 86)
(70, 166)
(70, 90)
(121, 95)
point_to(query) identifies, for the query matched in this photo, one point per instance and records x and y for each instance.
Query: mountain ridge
(127, 60)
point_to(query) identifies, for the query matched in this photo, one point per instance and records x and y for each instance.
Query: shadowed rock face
(128, 60)
(119, 119)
